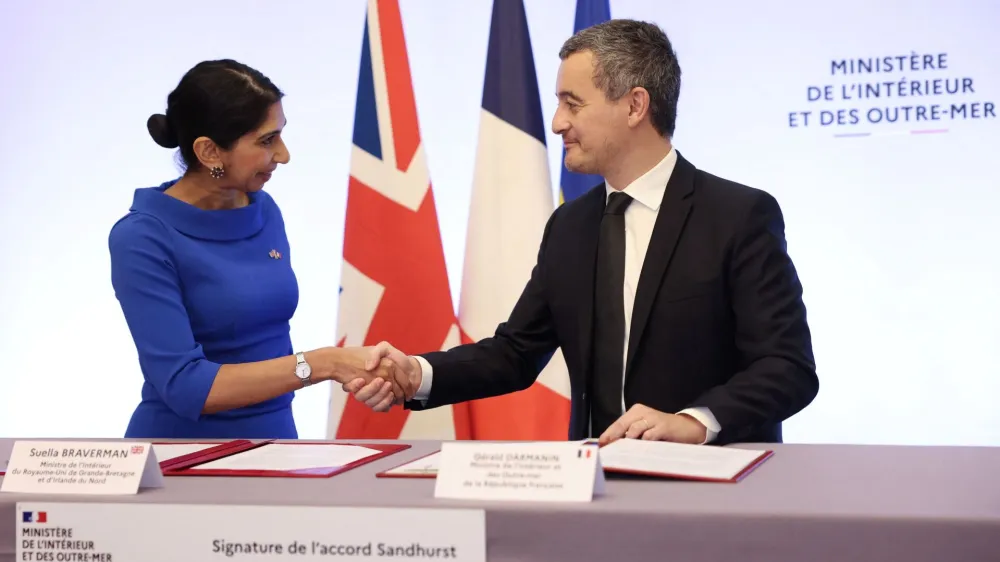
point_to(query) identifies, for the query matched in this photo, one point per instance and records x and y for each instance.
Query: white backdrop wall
(894, 233)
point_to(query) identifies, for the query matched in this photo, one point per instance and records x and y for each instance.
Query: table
(808, 503)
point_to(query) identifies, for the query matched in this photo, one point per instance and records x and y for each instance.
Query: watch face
(302, 370)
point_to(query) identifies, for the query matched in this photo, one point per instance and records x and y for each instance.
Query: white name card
(540, 471)
(81, 468)
(168, 533)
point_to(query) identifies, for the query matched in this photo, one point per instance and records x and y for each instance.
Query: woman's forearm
(244, 384)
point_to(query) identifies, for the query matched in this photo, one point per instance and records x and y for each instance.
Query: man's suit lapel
(670, 222)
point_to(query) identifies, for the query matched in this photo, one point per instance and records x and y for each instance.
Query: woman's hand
(345, 364)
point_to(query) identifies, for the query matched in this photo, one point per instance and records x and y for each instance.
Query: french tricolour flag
(34, 517)
(511, 201)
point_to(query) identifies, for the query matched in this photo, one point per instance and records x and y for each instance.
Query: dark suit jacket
(718, 320)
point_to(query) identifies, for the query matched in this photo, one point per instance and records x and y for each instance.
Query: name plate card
(538, 471)
(81, 468)
(96, 532)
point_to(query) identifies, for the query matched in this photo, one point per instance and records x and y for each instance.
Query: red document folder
(675, 476)
(220, 450)
(205, 469)
(699, 463)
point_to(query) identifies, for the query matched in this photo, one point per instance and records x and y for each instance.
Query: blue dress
(200, 289)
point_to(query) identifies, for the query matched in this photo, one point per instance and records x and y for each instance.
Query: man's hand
(381, 395)
(652, 425)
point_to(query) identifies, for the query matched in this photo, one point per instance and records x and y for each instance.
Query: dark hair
(630, 53)
(219, 99)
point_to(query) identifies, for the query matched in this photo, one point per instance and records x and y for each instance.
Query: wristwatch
(302, 369)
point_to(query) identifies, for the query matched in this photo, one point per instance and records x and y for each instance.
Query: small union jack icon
(137, 449)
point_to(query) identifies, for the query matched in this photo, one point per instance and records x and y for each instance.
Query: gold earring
(217, 172)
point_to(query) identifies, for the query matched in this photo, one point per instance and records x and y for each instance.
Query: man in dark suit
(669, 290)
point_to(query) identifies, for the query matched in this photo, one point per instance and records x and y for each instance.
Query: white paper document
(678, 459)
(424, 466)
(291, 456)
(167, 451)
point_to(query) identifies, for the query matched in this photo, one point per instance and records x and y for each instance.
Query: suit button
(583, 396)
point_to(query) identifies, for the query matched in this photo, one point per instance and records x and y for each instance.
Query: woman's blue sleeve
(147, 284)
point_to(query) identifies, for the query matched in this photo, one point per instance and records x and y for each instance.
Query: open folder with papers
(285, 460)
(677, 460)
(178, 455)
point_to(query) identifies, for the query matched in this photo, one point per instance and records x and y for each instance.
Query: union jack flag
(394, 282)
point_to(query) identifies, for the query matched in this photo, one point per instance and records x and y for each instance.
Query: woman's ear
(207, 152)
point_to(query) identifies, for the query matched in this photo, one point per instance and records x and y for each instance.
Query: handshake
(388, 376)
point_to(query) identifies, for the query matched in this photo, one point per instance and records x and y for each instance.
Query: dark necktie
(609, 316)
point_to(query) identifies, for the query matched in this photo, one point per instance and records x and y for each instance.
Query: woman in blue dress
(202, 270)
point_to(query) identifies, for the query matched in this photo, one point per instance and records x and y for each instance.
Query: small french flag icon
(34, 517)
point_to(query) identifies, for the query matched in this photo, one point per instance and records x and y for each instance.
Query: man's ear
(638, 105)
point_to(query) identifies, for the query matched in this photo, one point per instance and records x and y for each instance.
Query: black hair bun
(161, 131)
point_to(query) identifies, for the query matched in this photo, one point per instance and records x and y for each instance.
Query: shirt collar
(648, 188)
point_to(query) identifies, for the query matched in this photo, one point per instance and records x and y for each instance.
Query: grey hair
(628, 54)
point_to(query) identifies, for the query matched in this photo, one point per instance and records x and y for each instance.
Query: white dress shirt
(640, 216)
